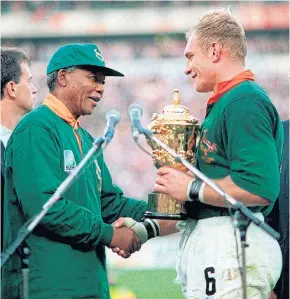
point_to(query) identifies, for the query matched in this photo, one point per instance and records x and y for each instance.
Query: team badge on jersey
(69, 161)
(207, 148)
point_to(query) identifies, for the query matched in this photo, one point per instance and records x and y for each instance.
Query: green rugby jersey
(68, 246)
(241, 136)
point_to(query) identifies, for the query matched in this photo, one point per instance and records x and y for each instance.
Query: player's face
(85, 90)
(25, 91)
(199, 65)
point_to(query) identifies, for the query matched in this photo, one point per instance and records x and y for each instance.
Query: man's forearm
(167, 227)
(211, 197)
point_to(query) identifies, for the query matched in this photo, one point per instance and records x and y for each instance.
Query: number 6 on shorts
(210, 281)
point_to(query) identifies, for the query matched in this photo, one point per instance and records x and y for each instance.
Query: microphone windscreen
(113, 113)
(136, 108)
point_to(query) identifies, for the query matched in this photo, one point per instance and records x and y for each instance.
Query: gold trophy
(178, 130)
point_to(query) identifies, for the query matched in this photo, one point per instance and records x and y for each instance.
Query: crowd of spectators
(159, 46)
(150, 81)
(36, 6)
(154, 68)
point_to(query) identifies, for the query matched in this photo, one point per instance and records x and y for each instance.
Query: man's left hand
(172, 182)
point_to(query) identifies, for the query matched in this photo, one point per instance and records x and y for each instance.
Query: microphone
(113, 118)
(135, 112)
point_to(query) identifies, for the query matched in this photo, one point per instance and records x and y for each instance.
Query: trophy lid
(175, 112)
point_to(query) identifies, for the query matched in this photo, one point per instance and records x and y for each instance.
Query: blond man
(240, 149)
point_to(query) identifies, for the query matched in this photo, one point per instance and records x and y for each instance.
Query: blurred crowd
(153, 66)
(150, 82)
(36, 6)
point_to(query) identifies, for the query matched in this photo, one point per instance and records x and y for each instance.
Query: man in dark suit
(279, 219)
(2, 168)
(2, 185)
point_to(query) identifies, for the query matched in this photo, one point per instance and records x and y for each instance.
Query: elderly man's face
(85, 89)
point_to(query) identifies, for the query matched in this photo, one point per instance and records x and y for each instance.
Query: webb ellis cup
(180, 131)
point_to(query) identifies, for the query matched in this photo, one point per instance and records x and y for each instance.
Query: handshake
(129, 235)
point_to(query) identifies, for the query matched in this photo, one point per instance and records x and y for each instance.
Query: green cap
(79, 54)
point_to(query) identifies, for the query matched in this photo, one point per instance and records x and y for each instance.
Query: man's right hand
(125, 239)
(144, 231)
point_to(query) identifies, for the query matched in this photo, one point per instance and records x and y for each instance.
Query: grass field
(150, 284)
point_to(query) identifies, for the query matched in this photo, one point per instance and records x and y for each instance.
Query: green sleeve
(36, 172)
(250, 126)
(114, 203)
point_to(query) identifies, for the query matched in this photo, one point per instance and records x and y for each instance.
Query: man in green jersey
(240, 149)
(68, 246)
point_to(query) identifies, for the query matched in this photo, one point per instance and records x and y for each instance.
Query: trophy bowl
(180, 131)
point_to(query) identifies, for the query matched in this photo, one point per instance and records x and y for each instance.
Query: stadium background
(145, 40)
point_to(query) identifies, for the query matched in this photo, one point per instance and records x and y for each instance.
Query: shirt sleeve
(114, 203)
(249, 129)
(34, 167)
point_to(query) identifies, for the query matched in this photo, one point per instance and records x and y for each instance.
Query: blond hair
(220, 26)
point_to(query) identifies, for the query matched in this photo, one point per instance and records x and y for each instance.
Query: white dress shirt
(4, 135)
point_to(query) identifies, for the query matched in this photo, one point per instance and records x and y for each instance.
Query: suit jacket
(279, 218)
(2, 189)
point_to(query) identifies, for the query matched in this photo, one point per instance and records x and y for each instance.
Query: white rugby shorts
(207, 265)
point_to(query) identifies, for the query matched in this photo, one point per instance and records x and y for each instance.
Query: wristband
(194, 190)
(201, 193)
(188, 189)
(152, 228)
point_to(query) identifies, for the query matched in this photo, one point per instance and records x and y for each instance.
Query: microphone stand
(243, 215)
(24, 252)
(28, 227)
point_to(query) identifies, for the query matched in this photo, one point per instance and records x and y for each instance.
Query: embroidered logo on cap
(99, 55)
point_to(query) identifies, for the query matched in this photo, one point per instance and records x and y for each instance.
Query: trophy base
(162, 206)
(164, 216)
